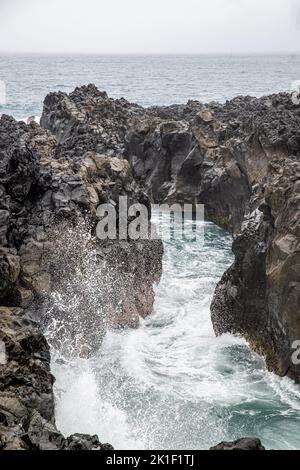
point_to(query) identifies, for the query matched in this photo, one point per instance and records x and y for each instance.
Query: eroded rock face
(26, 389)
(39, 192)
(43, 191)
(88, 120)
(259, 296)
(185, 161)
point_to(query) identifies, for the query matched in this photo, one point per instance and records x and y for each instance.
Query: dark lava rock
(85, 442)
(45, 197)
(241, 160)
(246, 443)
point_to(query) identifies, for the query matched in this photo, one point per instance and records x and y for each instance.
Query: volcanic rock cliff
(48, 203)
(241, 160)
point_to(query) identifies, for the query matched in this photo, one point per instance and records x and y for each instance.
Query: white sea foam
(171, 383)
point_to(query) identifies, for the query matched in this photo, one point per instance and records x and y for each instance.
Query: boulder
(246, 443)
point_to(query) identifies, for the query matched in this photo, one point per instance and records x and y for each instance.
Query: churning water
(171, 384)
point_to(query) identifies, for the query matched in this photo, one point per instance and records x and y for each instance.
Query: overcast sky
(149, 26)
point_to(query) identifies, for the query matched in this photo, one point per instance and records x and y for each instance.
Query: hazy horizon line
(220, 53)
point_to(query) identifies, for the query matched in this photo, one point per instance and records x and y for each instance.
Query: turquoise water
(147, 80)
(171, 384)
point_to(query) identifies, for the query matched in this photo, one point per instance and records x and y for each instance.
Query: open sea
(146, 80)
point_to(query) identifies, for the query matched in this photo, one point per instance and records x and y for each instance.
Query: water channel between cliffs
(171, 384)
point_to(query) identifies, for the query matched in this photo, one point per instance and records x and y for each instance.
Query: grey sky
(149, 26)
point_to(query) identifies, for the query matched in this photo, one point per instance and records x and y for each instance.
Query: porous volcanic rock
(26, 389)
(241, 160)
(44, 193)
(246, 443)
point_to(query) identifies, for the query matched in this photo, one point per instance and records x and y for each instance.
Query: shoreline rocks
(43, 192)
(26, 390)
(246, 443)
(240, 159)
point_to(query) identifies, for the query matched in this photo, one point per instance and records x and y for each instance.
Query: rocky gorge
(240, 159)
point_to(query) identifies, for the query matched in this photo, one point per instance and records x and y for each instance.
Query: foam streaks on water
(171, 384)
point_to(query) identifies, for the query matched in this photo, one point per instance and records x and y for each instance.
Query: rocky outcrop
(176, 153)
(88, 120)
(241, 160)
(26, 389)
(46, 200)
(186, 162)
(259, 296)
(247, 443)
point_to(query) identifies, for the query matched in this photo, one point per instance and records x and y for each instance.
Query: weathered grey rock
(241, 160)
(259, 296)
(247, 443)
(56, 189)
(88, 120)
(42, 191)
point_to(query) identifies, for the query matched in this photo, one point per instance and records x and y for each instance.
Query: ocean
(170, 384)
(145, 80)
